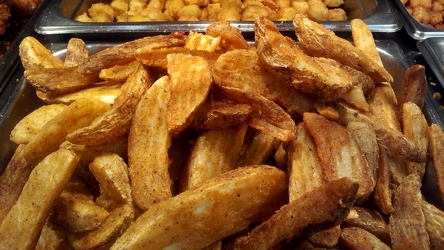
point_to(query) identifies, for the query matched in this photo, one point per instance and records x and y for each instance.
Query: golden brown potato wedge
(319, 41)
(119, 73)
(329, 205)
(304, 166)
(148, 143)
(266, 116)
(25, 130)
(106, 93)
(415, 86)
(358, 238)
(306, 73)
(259, 149)
(436, 147)
(51, 239)
(35, 55)
(115, 122)
(231, 38)
(223, 206)
(340, 154)
(434, 224)
(199, 41)
(78, 114)
(383, 191)
(76, 53)
(215, 152)
(46, 182)
(415, 128)
(407, 223)
(370, 220)
(190, 84)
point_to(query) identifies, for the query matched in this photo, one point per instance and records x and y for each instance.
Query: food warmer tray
(58, 18)
(414, 28)
(432, 50)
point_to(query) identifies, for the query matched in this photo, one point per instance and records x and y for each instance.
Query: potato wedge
(35, 55)
(231, 38)
(46, 182)
(190, 86)
(340, 154)
(332, 202)
(78, 114)
(106, 93)
(304, 166)
(222, 206)
(407, 223)
(415, 128)
(115, 122)
(370, 220)
(76, 53)
(307, 74)
(199, 41)
(215, 152)
(436, 147)
(321, 42)
(358, 238)
(220, 114)
(266, 115)
(383, 191)
(119, 73)
(148, 143)
(25, 130)
(434, 224)
(415, 86)
(259, 149)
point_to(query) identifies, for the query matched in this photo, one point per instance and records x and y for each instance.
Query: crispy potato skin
(221, 207)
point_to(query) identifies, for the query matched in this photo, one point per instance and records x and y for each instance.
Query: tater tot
(189, 13)
(173, 7)
(156, 4)
(301, 7)
(435, 18)
(200, 3)
(100, 12)
(337, 14)
(137, 5)
(283, 3)
(421, 14)
(120, 6)
(333, 3)
(318, 11)
(83, 18)
(252, 11)
(424, 3)
(230, 10)
(287, 13)
(213, 10)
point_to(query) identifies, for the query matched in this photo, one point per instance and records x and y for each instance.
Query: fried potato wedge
(51, 239)
(25, 130)
(12, 180)
(318, 41)
(415, 128)
(115, 122)
(370, 220)
(383, 192)
(363, 40)
(242, 69)
(382, 109)
(220, 114)
(304, 166)
(76, 53)
(266, 116)
(157, 57)
(35, 56)
(77, 213)
(221, 206)
(78, 114)
(190, 84)
(46, 182)
(199, 41)
(327, 238)
(230, 37)
(407, 223)
(306, 73)
(434, 224)
(259, 149)
(436, 147)
(340, 154)
(365, 136)
(111, 172)
(392, 139)
(215, 152)
(118, 220)
(119, 73)
(65, 80)
(148, 143)
(415, 86)
(358, 238)
(329, 205)
(106, 93)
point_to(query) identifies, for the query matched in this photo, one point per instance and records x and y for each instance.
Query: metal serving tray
(432, 50)
(414, 28)
(58, 18)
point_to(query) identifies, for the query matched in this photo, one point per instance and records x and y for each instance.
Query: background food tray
(433, 51)
(58, 18)
(414, 28)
